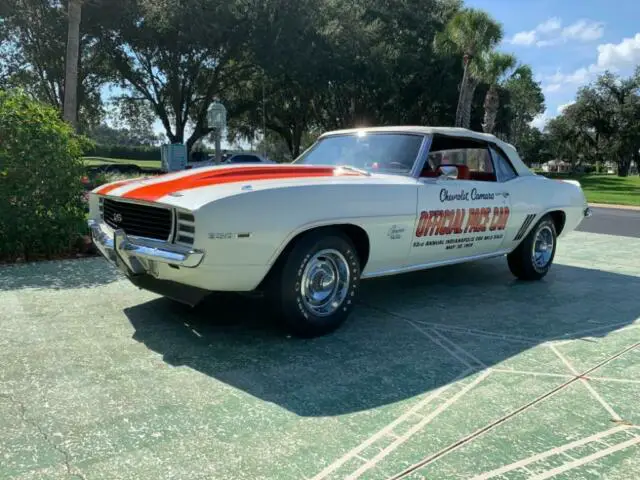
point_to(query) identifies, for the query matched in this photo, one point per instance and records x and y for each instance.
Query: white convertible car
(357, 204)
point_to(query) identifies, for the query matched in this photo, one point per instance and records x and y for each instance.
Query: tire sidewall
(296, 314)
(545, 222)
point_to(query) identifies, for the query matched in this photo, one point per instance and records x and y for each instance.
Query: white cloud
(562, 108)
(584, 30)
(615, 57)
(552, 87)
(540, 121)
(577, 77)
(524, 38)
(551, 25)
(550, 32)
(625, 53)
(548, 43)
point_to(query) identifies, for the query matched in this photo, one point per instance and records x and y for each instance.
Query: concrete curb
(618, 207)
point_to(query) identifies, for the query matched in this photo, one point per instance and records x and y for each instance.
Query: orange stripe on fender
(233, 175)
(112, 186)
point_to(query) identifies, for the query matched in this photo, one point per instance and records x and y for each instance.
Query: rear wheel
(532, 259)
(314, 287)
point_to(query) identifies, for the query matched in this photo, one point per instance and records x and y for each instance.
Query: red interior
(483, 176)
(463, 174)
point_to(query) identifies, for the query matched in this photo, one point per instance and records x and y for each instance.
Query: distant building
(556, 166)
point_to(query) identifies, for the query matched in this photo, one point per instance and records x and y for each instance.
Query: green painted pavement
(445, 372)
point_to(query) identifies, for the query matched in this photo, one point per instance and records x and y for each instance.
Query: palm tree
(491, 68)
(70, 111)
(469, 33)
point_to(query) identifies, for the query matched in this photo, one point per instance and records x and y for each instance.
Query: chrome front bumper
(137, 255)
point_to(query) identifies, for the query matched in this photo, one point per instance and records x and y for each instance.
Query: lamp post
(217, 120)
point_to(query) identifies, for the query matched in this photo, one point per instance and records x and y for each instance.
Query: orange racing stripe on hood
(232, 175)
(112, 186)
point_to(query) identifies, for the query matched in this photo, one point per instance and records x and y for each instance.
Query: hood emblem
(246, 187)
(176, 194)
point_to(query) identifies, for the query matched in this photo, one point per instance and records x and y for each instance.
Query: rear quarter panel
(539, 195)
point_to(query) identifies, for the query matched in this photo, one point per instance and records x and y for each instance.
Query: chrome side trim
(426, 266)
(130, 248)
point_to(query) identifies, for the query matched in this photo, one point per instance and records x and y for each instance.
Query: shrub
(41, 209)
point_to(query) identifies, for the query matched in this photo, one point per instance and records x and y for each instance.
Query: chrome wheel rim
(542, 247)
(325, 282)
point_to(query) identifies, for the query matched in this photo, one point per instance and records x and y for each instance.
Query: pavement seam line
(462, 350)
(548, 453)
(608, 379)
(388, 429)
(583, 461)
(587, 385)
(443, 346)
(561, 339)
(533, 374)
(463, 441)
(417, 427)
(557, 340)
(469, 331)
(71, 471)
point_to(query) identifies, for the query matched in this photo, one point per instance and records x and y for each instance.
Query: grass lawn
(97, 161)
(611, 189)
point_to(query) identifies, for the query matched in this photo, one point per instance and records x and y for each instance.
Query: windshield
(374, 152)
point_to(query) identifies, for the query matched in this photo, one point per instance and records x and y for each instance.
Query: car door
(463, 211)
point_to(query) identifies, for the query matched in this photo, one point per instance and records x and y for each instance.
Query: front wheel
(314, 289)
(532, 259)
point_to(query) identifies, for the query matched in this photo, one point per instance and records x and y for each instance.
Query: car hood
(192, 188)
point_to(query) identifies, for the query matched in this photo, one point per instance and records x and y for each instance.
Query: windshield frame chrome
(418, 162)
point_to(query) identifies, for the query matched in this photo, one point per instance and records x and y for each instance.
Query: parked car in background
(230, 159)
(236, 158)
(357, 204)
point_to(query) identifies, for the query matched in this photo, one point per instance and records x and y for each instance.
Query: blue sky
(568, 42)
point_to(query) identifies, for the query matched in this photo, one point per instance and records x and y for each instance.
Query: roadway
(613, 221)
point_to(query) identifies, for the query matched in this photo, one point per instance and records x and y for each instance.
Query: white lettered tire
(533, 258)
(315, 285)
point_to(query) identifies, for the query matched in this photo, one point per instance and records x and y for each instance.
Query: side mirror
(448, 171)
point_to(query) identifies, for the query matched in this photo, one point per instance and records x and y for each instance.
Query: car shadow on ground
(58, 274)
(386, 352)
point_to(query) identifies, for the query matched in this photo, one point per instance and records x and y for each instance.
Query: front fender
(253, 228)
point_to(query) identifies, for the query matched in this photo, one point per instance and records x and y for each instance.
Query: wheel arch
(559, 218)
(355, 233)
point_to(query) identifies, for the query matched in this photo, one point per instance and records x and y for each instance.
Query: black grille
(138, 220)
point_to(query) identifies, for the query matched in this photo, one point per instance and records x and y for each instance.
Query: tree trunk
(623, 166)
(297, 140)
(464, 85)
(71, 65)
(467, 103)
(491, 106)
